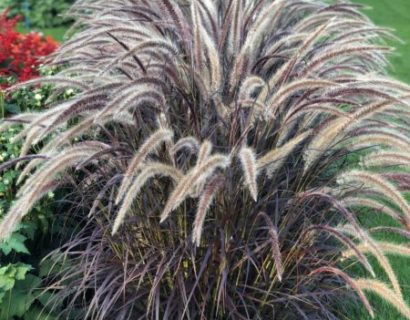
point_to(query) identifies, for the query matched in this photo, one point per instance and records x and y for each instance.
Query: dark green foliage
(21, 266)
(40, 13)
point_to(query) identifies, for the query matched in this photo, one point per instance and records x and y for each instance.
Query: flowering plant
(20, 54)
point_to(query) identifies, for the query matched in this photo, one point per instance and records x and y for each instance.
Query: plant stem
(2, 105)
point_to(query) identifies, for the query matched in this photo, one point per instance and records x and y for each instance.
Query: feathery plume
(386, 247)
(377, 183)
(323, 140)
(191, 179)
(351, 282)
(385, 292)
(354, 249)
(286, 91)
(12, 162)
(56, 164)
(248, 161)
(204, 203)
(373, 247)
(20, 208)
(286, 69)
(273, 233)
(204, 151)
(150, 170)
(207, 53)
(234, 33)
(373, 204)
(188, 142)
(338, 53)
(55, 80)
(274, 158)
(392, 140)
(398, 231)
(386, 158)
(267, 16)
(149, 146)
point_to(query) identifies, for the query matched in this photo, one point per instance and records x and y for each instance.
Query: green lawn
(57, 33)
(393, 14)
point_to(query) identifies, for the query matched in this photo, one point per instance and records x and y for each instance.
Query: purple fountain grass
(208, 150)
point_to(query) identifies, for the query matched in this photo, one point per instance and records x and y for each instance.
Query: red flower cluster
(20, 53)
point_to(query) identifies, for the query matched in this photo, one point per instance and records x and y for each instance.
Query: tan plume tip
(323, 139)
(150, 145)
(386, 158)
(277, 255)
(351, 282)
(386, 247)
(190, 143)
(69, 158)
(274, 158)
(354, 250)
(372, 246)
(303, 84)
(390, 139)
(377, 183)
(150, 170)
(9, 122)
(204, 151)
(194, 177)
(373, 204)
(203, 206)
(384, 292)
(162, 121)
(248, 161)
(21, 207)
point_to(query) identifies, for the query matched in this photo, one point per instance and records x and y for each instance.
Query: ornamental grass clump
(221, 154)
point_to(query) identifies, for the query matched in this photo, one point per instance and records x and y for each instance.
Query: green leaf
(52, 266)
(8, 278)
(22, 271)
(29, 229)
(12, 272)
(16, 304)
(3, 270)
(19, 300)
(49, 302)
(12, 108)
(16, 243)
(36, 313)
(5, 63)
(6, 283)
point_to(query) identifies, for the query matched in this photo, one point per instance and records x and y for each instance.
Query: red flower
(20, 54)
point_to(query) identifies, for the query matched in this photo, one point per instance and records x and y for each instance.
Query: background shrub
(21, 271)
(39, 13)
(222, 152)
(22, 267)
(20, 54)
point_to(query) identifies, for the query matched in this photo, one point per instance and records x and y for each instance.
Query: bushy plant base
(222, 153)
